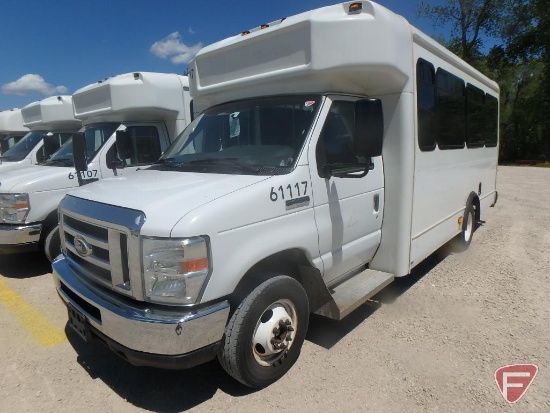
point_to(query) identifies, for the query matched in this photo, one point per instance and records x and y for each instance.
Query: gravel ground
(430, 342)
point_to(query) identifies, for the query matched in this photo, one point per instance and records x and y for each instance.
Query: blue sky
(56, 47)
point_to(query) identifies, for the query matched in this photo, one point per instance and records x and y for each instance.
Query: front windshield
(22, 148)
(96, 136)
(261, 136)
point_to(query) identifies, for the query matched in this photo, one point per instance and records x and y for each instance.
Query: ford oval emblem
(82, 247)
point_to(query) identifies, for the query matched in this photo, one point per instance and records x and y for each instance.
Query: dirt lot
(431, 342)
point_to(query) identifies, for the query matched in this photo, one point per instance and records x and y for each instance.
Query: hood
(9, 165)
(164, 196)
(37, 178)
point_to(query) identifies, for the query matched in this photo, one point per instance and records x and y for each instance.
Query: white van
(150, 108)
(52, 118)
(340, 148)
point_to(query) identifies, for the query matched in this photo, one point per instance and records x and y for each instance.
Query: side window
(62, 137)
(491, 121)
(335, 145)
(425, 87)
(145, 143)
(451, 105)
(475, 114)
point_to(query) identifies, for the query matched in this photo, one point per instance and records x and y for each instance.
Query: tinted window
(425, 85)
(450, 110)
(491, 121)
(335, 144)
(475, 117)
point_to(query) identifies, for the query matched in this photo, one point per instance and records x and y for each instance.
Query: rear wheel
(52, 244)
(265, 334)
(462, 241)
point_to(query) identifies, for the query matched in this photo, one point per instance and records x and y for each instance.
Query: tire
(52, 244)
(469, 223)
(264, 336)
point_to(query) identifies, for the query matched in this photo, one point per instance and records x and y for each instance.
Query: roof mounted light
(264, 26)
(137, 76)
(245, 33)
(355, 7)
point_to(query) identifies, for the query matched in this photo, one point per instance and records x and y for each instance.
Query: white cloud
(32, 83)
(191, 31)
(171, 47)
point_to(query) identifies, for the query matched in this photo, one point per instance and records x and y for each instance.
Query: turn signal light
(200, 264)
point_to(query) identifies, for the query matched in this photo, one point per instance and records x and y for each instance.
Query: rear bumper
(19, 238)
(142, 333)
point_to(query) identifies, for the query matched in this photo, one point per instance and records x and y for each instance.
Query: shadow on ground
(154, 389)
(24, 265)
(326, 332)
(175, 391)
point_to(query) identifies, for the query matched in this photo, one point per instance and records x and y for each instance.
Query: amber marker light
(245, 33)
(200, 264)
(354, 7)
(264, 26)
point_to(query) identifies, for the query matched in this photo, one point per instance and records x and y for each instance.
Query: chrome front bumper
(19, 234)
(153, 329)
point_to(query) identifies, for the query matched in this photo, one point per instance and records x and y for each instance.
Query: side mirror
(51, 144)
(80, 157)
(123, 144)
(369, 128)
(4, 145)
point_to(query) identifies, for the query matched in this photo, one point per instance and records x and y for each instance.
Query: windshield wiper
(227, 161)
(9, 159)
(64, 161)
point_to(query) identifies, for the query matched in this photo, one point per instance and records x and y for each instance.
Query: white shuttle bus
(151, 109)
(11, 128)
(339, 149)
(51, 118)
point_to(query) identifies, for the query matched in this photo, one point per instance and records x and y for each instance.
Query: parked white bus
(340, 147)
(51, 118)
(151, 109)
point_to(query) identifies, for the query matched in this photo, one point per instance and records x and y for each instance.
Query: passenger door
(348, 211)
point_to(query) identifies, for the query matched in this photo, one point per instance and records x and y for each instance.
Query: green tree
(470, 20)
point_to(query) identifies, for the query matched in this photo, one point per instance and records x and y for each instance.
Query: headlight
(14, 208)
(175, 270)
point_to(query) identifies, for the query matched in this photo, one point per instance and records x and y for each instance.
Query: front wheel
(52, 244)
(265, 334)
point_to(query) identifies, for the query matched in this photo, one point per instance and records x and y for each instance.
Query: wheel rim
(469, 227)
(274, 333)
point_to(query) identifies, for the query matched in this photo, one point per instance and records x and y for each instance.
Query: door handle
(376, 202)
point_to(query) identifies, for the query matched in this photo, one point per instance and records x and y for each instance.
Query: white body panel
(11, 128)
(136, 96)
(12, 121)
(54, 113)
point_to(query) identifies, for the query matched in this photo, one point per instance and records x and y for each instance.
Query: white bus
(340, 147)
(51, 118)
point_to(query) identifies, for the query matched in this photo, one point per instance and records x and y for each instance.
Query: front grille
(98, 240)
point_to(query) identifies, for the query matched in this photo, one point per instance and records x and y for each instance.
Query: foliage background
(509, 41)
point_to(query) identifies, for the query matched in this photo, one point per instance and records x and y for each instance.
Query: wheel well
(49, 223)
(288, 262)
